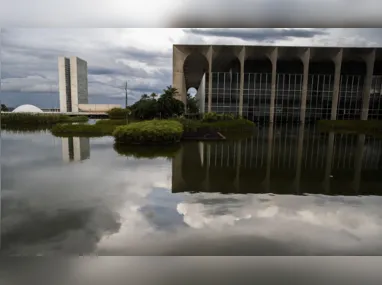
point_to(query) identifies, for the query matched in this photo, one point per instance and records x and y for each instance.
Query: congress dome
(27, 109)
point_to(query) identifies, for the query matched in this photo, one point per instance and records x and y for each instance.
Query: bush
(138, 151)
(213, 117)
(111, 122)
(235, 125)
(38, 119)
(149, 132)
(78, 119)
(118, 113)
(82, 130)
(226, 124)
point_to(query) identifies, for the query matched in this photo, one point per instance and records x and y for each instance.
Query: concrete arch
(353, 67)
(226, 58)
(258, 59)
(194, 67)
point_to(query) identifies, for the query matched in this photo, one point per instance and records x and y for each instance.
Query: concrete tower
(73, 83)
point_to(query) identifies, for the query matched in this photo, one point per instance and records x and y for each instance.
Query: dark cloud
(29, 65)
(269, 35)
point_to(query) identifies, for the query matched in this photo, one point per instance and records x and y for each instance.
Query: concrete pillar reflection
(273, 58)
(358, 162)
(337, 76)
(241, 95)
(201, 152)
(238, 165)
(305, 60)
(300, 147)
(267, 181)
(208, 167)
(210, 58)
(370, 59)
(328, 162)
(177, 182)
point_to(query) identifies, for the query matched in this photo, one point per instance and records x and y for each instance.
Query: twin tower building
(73, 83)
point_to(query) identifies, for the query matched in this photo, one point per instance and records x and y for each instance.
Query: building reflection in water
(282, 160)
(75, 149)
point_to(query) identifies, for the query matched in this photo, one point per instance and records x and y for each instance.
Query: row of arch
(196, 64)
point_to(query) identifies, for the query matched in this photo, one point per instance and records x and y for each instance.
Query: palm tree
(170, 91)
(153, 95)
(144, 97)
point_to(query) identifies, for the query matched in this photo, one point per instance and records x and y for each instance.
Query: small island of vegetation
(31, 120)
(159, 119)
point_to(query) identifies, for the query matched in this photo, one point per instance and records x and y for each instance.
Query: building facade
(73, 83)
(282, 83)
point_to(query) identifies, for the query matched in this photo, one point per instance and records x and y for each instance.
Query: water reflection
(201, 199)
(282, 161)
(75, 149)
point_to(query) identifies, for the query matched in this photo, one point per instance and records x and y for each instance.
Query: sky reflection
(108, 204)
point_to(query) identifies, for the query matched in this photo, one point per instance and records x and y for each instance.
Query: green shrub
(38, 119)
(189, 125)
(149, 132)
(82, 130)
(78, 119)
(235, 125)
(111, 122)
(227, 124)
(139, 151)
(213, 117)
(118, 113)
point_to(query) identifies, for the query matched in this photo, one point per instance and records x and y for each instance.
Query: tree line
(163, 105)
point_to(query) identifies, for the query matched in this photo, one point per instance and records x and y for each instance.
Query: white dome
(27, 109)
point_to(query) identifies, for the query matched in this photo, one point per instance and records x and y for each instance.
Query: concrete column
(242, 61)
(178, 79)
(210, 58)
(273, 58)
(305, 60)
(370, 59)
(337, 76)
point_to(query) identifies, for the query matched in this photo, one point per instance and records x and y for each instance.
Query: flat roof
(280, 46)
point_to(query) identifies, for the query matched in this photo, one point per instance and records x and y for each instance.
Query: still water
(283, 191)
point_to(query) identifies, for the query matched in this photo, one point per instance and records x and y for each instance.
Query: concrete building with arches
(282, 83)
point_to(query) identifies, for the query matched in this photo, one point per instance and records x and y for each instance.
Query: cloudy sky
(142, 57)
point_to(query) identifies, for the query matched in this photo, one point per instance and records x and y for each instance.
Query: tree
(158, 106)
(168, 105)
(145, 109)
(4, 108)
(144, 97)
(153, 95)
(192, 105)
